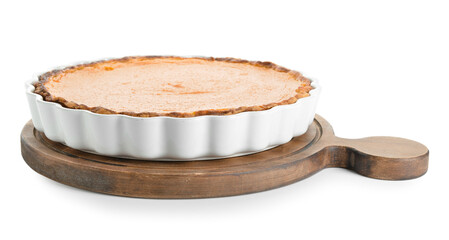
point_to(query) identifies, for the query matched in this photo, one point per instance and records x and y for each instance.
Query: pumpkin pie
(152, 86)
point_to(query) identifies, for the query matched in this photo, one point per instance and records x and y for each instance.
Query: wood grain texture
(376, 157)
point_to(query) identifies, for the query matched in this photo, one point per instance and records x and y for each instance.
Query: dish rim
(30, 88)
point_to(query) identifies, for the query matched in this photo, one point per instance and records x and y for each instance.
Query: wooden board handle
(389, 158)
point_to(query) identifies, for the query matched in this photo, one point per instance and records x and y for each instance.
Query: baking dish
(172, 138)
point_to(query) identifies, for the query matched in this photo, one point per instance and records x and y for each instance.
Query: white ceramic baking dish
(171, 138)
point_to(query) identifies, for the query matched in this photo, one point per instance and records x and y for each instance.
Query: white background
(384, 68)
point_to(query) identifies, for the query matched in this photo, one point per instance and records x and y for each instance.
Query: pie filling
(173, 86)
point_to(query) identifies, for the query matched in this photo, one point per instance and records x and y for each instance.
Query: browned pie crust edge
(302, 91)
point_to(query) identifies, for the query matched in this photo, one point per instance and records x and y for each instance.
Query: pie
(173, 86)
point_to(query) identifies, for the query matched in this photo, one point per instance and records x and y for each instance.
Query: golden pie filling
(173, 86)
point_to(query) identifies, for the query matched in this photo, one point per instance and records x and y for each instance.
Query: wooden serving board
(376, 157)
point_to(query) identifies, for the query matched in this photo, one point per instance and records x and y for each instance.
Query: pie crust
(40, 88)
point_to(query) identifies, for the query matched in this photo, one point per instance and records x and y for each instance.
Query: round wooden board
(377, 157)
